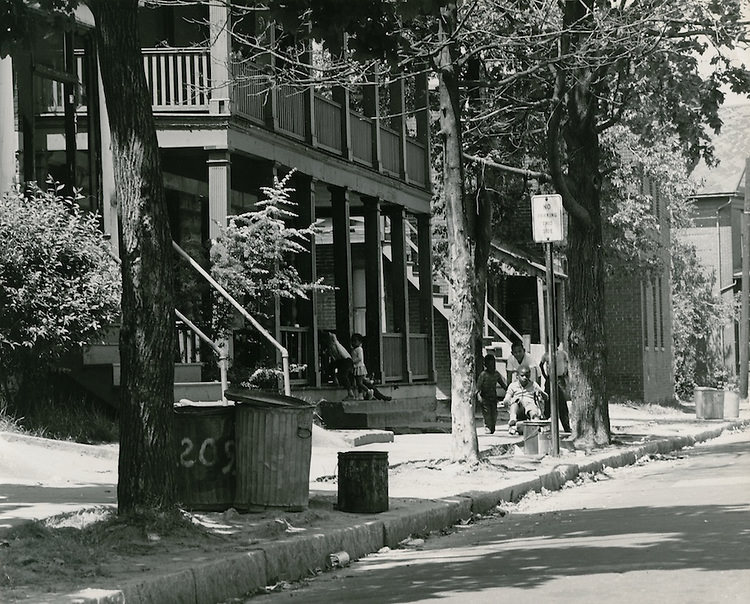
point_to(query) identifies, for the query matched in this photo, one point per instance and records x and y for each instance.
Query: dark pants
(345, 374)
(562, 405)
(489, 413)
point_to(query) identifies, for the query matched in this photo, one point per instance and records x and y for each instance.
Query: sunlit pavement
(666, 531)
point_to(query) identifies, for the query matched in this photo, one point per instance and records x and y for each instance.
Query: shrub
(59, 286)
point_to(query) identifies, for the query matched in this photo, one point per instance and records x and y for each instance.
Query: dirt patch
(94, 547)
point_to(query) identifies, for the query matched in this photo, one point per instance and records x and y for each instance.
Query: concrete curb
(295, 558)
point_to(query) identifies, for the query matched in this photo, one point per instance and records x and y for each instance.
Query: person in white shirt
(519, 358)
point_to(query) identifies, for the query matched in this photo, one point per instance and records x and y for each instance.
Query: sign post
(547, 227)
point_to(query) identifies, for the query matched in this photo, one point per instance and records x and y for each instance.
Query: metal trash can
(709, 403)
(204, 437)
(537, 437)
(274, 445)
(731, 404)
(363, 481)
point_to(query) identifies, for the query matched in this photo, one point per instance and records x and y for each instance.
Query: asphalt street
(675, 529)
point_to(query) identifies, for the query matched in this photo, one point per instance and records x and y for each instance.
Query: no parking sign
(547, 218)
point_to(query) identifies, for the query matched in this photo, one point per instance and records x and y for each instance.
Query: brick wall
(442, 355)
(325, 307)
(624, 329)
(638, 322)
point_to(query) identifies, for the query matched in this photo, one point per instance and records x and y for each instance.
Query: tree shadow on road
(525, 551)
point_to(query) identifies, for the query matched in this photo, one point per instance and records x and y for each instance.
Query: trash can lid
(184, 403)
(247, 396)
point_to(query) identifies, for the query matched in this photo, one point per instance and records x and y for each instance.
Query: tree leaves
(58, 283)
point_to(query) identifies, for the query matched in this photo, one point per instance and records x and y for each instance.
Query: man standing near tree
(561, 369)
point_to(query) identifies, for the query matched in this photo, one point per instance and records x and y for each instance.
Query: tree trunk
(585, 300)
(146, 474)
(464, 322)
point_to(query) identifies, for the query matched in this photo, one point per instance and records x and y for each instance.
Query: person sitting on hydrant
(526, 399)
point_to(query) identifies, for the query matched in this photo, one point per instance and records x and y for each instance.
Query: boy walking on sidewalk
(487, 394)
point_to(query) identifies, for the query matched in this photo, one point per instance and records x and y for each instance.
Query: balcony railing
(419, 355)
(393, 357)
(328, 123)
(179, 80)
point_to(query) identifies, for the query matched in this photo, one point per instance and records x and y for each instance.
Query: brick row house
(638, 321)
(361, 164)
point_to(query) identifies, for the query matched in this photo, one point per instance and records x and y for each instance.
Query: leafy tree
(548, 77)
(59, 287)
(145, 481)
(253, 257)
(698, 315)
(581, 68)
(147, 328)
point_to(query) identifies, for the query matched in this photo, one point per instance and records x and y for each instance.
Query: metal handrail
(488, 307)
(228, 297)
(223, 357)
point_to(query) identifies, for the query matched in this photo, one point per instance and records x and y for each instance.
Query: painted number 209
(208, 454)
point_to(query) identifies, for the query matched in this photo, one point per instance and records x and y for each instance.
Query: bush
(59, 287)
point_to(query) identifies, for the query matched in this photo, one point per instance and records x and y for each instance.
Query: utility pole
(745, 315)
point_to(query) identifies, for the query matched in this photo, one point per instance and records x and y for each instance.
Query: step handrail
(489, 307)
(228, 297)
(223, 357)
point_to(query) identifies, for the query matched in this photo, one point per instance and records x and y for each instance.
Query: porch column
(306, 264)
(373, 287)
(94, 145)
(422, 109)
(219, 189)
(400, 285)
(341, 96)
(424, 251)
(24, 69)
(311, 136)
(398, 122)
(270, 106)
(8, 135)
(271, 172)
(370, 95)
(69, 107)
(220, 23)
(342, 265)
(109, 197)
(541, 300)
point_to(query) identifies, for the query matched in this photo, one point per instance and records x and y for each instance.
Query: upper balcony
(181, 84)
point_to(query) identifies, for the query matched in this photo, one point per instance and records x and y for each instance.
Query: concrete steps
(395, 415)
(98, 370)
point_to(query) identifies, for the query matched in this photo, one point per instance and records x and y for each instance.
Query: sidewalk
(427, 493)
